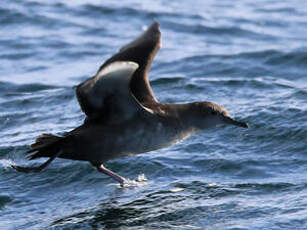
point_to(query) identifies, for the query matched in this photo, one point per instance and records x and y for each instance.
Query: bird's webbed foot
(123, 181)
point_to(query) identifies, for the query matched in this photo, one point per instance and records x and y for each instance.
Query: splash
(140, 181)
(6, 163)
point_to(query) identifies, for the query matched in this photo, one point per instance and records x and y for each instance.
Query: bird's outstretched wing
(141, 51)
(108, 94)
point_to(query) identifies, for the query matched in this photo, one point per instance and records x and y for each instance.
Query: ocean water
(248, 56)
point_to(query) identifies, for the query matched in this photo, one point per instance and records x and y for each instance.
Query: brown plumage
(123, 117)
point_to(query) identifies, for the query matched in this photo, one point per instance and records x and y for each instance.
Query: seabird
(123, 117)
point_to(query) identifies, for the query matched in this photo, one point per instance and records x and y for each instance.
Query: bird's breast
(148, 137)
(137, 136)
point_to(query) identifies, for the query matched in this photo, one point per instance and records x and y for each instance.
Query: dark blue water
(249, 56)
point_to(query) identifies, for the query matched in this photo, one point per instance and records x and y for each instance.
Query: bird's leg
(115, 176)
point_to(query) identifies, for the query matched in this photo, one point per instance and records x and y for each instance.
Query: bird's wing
(141, 51)
(108, 93)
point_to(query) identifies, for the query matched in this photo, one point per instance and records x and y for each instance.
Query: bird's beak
(229, 120)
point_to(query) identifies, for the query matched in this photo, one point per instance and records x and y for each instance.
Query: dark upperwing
(107, 96)
(141, 51)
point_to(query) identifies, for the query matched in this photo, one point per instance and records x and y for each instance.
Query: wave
(11, 88)
(267, 57)
(4, 200)
(290, 65)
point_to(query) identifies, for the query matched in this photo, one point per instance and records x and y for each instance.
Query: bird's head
(207, 114)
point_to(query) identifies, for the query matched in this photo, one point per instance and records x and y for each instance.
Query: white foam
(6, 163)
(141, 178)
(177, 189)
(140, 181)
(212, 185)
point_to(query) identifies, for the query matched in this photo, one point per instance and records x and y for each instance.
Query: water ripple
(249, 57)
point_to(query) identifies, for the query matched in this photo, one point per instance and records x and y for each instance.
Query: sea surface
(248, 56)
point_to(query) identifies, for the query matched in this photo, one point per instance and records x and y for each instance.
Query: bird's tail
(46, 145)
